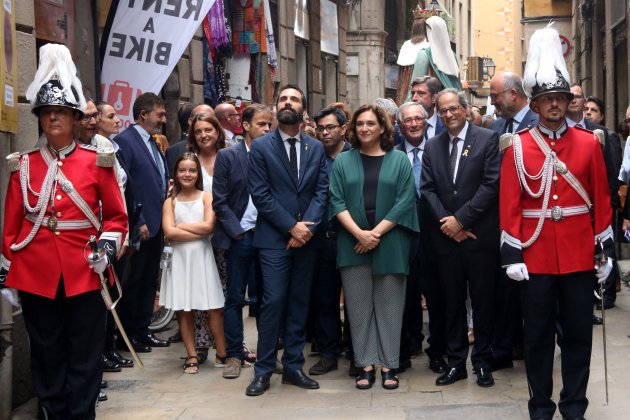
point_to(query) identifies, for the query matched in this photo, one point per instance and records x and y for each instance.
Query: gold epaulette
(505, 141)
(13, 160)
(105, 153)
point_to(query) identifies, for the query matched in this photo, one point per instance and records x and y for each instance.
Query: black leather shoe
(484, 377)
(437, 364)
(110, 365)
(608, 304)
(104, 384)
(175, 338)
(597, 320)
(498, 364)
(117, 358)
(325, 365)
(258, 386)
(102, 396)
(451, 376)
(299, 379)
(403, 365)
(152, 341)
(354, 370)
(137, 346)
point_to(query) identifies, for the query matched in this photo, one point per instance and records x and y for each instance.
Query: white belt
(556, 213)
(63, 224)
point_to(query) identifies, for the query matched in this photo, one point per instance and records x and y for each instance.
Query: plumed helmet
(545, 69)
(56, 82)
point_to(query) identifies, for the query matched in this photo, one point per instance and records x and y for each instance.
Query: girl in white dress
(193, 281)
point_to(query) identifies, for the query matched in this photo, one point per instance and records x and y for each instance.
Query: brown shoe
(232, 368)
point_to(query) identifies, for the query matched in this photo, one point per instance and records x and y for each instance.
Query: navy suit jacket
(150, 187)
(173, 153)
(439, 126)
(230, 193)
(473, 199)
(279, 199)
(530, 120)
(612, 170)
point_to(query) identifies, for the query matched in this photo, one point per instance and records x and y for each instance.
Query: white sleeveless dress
(193, 281)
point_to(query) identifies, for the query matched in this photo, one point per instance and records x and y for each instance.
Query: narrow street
(162, 391)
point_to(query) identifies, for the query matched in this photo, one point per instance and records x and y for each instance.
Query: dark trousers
(136, 306)
(567, 299)
(325, 298)
(465, 272)
(241, 259)
(121, 267)
(508, 328)
(431, 288)
(287, 279)
(411, 335)
(66, 337)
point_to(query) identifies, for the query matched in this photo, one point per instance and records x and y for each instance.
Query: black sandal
(191, 365)
(389, 375)
(369, 375)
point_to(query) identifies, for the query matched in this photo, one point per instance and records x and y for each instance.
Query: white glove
(11, 296)
(517, 272)
(99, 265)
(604, 270)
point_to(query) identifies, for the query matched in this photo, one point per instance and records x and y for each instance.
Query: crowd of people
(488, 222)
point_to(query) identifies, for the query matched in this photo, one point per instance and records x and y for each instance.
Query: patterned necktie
(417, 169)
(293, 158)
(426, 131)
(453, 157)
(156, 156)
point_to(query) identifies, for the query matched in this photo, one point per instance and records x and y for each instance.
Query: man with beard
(147, 167)
(554, 205)
(422, 277)
(288, 183)
(330, 129)
(510, 103)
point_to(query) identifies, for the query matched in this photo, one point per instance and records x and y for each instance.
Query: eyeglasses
(577, 96)
(329, 128)
(411, 120)
(442, 112)
(494, 96)
(87, 117)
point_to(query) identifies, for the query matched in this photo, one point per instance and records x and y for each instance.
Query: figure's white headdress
(441, 47)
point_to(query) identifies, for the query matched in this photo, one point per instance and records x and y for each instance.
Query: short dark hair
(191, 145)
(432, 83)
(146, 102)
(250, 111)
(387, 138)
(292, 86)
(598, 102)
(183, 114)
(329, 110)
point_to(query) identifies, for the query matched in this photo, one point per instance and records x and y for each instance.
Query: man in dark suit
(511, 104)
(460, 187)
(147, 167)
(422, 278)
(288, 183)
(424, 91)
(234, 232)
(176, 150)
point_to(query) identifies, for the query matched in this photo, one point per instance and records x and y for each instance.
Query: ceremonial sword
(110, 305)
(600, 259)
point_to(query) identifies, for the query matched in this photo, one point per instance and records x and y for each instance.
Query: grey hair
(388, 105)
(514, 81)
(460, 96)
(406, 105)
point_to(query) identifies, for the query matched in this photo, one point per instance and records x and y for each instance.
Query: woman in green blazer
(372, 195)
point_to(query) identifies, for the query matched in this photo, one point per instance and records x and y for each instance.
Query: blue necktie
(426, 131)
(417, 169)
(156, 156)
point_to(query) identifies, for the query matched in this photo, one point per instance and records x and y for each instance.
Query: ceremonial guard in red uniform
(58, 196)
(554, 207)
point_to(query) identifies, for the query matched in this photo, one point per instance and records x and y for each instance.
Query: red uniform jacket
(564, 246)
(51, 255)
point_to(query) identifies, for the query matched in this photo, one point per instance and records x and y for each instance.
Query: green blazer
(424, 65)
(395, 201)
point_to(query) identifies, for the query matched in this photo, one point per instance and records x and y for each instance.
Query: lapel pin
(465, 154)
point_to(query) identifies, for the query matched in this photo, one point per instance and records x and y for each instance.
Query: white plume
(55, 62)
(544, 57)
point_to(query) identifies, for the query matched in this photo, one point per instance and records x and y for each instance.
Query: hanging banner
(8, 70)
(142, 42)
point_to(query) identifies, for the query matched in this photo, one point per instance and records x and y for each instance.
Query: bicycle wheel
(161, 318)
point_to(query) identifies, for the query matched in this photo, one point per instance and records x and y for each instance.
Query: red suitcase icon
(120, 96)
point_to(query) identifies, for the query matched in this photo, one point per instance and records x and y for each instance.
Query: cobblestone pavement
(162, 391)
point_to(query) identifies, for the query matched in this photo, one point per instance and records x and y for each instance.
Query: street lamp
(490, 67)
(435, 5)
